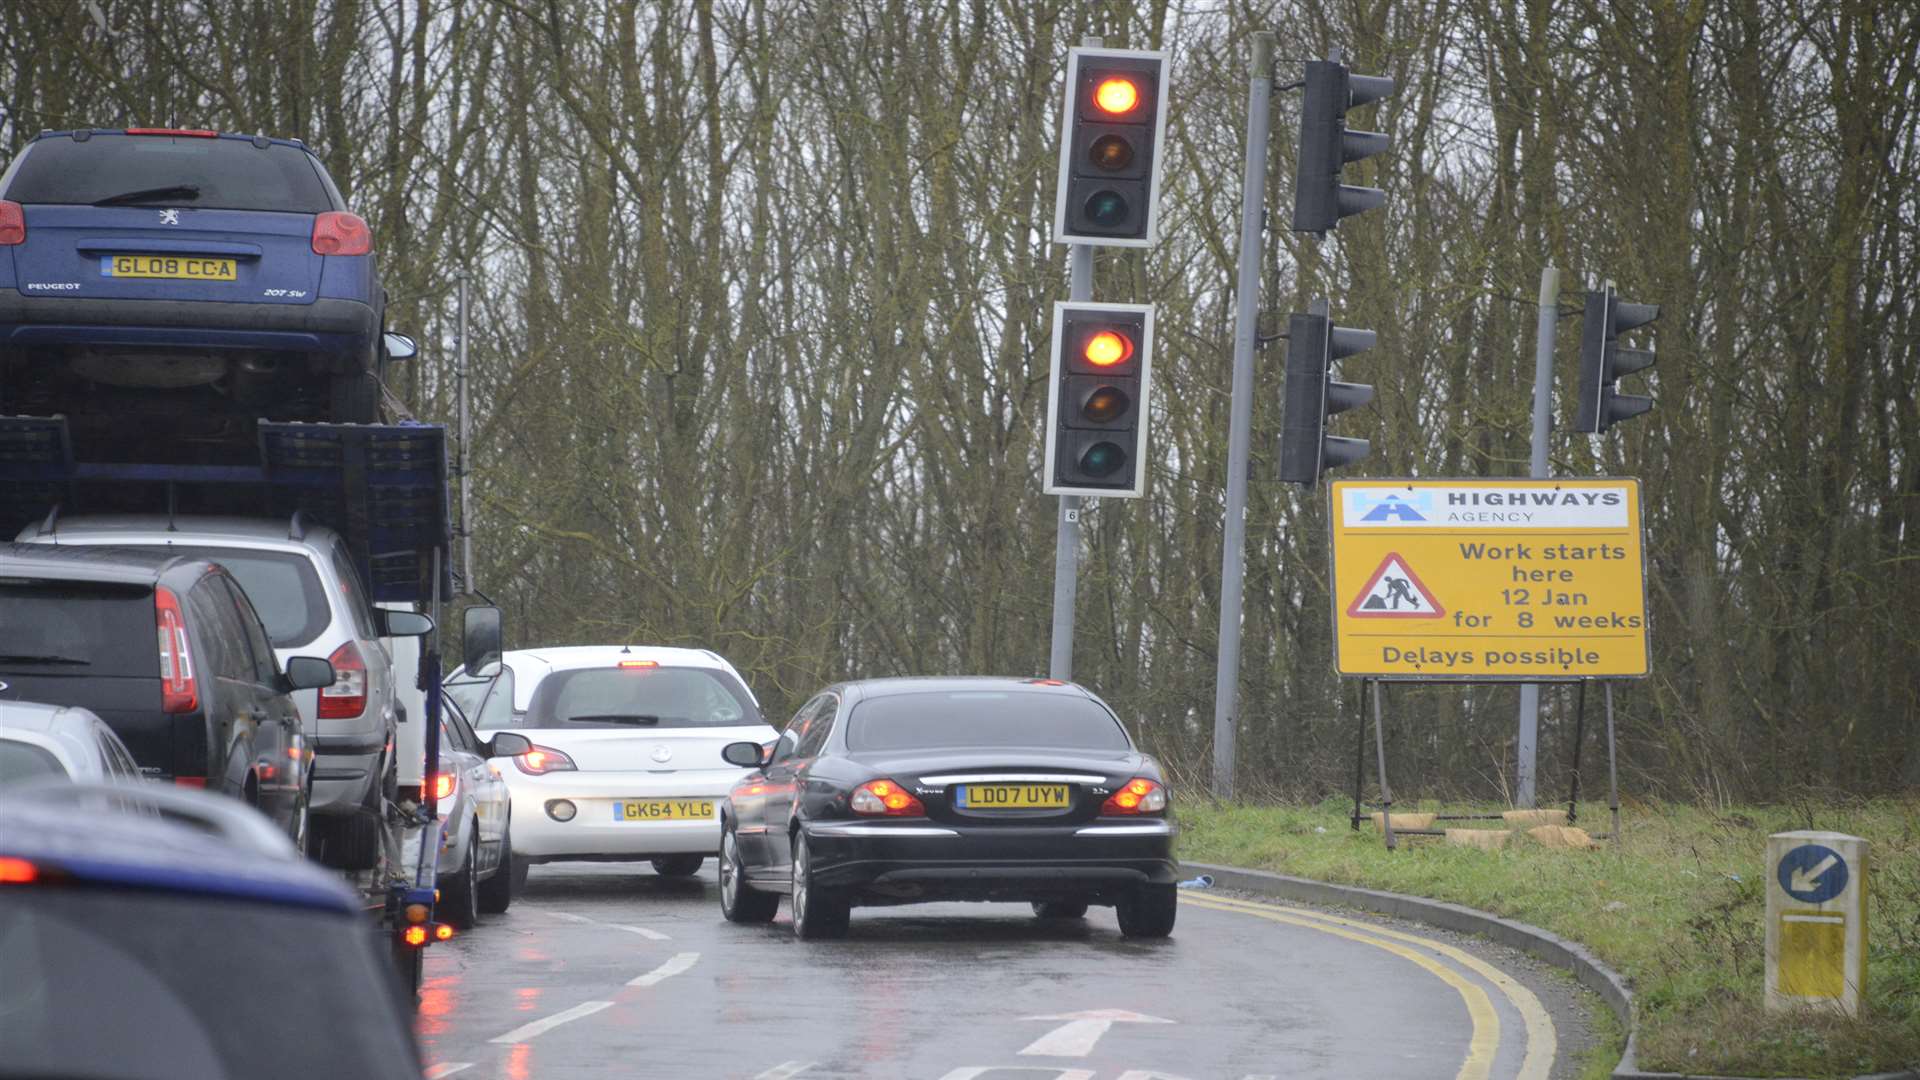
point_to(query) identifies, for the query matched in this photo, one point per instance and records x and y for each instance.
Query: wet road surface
(606, 970)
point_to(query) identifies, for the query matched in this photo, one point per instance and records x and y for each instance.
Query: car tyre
(354, 398)
(460, 897)
(818, 914)
(678, 865)
(496, 892)
(521, 864)
(740, 902)
(1148, 911)
(1060, 909)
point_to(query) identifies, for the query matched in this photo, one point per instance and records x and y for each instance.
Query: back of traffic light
(1097, 399)
(1603, 361)
(1110, 139)
(1312, 395)
(1320, 200)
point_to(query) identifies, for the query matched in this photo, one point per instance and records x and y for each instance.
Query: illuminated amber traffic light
(1097, 401)
(1115, 116)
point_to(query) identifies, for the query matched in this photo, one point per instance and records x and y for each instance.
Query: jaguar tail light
(1139, 796)
(884, 798)
(337, 232)
(542, 760)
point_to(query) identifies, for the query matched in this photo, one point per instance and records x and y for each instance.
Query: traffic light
(1110, 138)
(1313, 344)
(1097, 399)
(1320, 200)
(1602, 361)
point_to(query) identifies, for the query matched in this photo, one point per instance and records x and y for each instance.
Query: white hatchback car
(39, 741)
(626, 761)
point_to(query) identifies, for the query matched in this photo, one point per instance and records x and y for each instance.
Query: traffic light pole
(1066, 544)
(1253, 197)
(1528, 749)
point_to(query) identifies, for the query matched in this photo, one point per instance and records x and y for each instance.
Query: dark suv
(194, 276)
(169, 652)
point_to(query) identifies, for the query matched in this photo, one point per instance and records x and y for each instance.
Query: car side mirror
(399, 346)
(401, 623)
(480, 638)
(508, 744)
(747, 755)
(308, 673)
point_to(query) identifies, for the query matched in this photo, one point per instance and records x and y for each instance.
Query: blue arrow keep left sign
(1813, 873)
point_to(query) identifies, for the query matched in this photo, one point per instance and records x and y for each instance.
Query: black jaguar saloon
(901, 791)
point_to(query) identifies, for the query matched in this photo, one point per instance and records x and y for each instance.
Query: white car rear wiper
(170, 193)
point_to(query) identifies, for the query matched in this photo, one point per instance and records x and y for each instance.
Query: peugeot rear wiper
(32, 658)
(170, 193)
(620, 718)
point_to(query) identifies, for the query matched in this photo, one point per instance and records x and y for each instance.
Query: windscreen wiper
(31, 658)
(170, 193)
(621, 718)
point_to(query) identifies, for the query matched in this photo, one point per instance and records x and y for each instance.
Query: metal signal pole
(1066, 542)
(1253, 197)
(1527, 752)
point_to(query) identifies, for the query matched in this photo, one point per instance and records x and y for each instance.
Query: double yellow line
(1541, 1042)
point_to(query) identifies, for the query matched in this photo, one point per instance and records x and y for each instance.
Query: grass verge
(1678, 907)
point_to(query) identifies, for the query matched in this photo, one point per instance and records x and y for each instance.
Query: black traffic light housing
(1312, 395)
(1111, 134)
(1097, 399)
(1603, 361)
(1320, 200)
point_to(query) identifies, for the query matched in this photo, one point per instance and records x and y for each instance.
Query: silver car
(476, 851)
(44, 741)
(302, 579)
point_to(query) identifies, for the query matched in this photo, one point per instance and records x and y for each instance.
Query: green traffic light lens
(1106, 207)
(1110, 152)
(1105, 405)
(1102, 459)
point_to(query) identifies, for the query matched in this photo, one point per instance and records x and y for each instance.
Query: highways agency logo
(1389, 506)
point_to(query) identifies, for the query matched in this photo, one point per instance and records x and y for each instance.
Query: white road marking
(974, 1071)
(447, 1068)
(1077, 1037)
(651, 935)
(1148, 1074)
(785, 1069)
(528, 1031)
(679, 963)
(969, 1072)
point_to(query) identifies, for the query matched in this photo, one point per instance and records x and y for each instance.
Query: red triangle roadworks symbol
(1395, 592)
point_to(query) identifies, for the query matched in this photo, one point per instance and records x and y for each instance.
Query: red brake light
(442, 932)
(1139, 796)
(337, 232)
(347, 697)
(194, 133)
(444, 785)
(639, 663)
(414, 935)
(190, 781)
(179, 692)
(544, 759)
(13, 224)
(884, 798)
(18, 872)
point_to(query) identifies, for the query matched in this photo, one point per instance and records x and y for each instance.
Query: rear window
(77, 628)
(654, 697)
(283, 587)
(970, 719)
(20, 762)
(232, 174)
(138, 984)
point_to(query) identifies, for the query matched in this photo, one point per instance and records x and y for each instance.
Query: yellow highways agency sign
(1532, 580)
